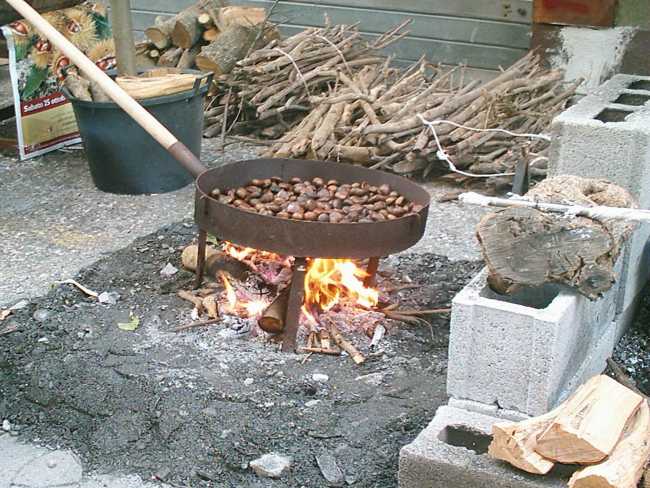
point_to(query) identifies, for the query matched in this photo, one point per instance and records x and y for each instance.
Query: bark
(524, 247)
(221, 55)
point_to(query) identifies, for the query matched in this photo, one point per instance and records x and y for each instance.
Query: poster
(44, 117)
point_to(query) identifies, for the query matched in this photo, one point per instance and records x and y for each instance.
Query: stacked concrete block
(607, 135)
(526, 352)
(450, 452)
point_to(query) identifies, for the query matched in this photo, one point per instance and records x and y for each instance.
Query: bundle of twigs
(421, 122)
(272, 88)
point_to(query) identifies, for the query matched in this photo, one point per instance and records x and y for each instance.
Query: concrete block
(450, 452)
(607, 135)
(529, 351)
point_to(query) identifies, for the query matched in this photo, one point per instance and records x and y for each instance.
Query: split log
(515, 442)
(215, 262)
(154, 54)
(187, 31)
(273, 318)
(160, 33)
(524, 247)
(155, 86)
(625, 465)
(170, 57)
(589, 425)
(78, 86)
(221, 55)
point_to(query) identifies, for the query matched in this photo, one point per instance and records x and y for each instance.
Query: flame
(249, 308)
(328, 281)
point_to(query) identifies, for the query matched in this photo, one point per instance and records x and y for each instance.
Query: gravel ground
(200, 405)
(633, 350)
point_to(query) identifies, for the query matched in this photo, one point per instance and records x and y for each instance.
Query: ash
(211, 399)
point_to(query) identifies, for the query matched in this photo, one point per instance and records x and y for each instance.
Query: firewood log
(515, 442)
(528, 248)
(625, 465)
(170, 57)
(215, 262)
(589, 425)
(221, 55)
(273, 318)
(160, 33)
(204, 19)
(235, 15)
(188, 57)
(187, 31)
(211, 34)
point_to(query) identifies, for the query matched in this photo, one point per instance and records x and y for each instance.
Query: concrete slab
(29, 466)
(528, 351)
(460, 461)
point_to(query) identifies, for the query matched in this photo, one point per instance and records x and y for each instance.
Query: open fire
(328, 283)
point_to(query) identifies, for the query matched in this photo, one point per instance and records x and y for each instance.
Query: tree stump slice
(525, 247)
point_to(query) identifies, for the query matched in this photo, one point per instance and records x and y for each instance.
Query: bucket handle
(198, 81)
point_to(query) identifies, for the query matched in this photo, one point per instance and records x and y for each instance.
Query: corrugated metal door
(483, 34)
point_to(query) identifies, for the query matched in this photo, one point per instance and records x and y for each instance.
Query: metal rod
(597, 212)
(294, 305)
(122, 26)
(200, 258)
(371, 279)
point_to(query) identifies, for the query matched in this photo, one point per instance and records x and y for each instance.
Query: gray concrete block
(585, 143)
(526, 352)
(460, 462)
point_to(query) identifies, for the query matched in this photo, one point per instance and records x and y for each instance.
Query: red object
(596, 13)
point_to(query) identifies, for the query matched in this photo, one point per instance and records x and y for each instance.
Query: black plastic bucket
(123, 157)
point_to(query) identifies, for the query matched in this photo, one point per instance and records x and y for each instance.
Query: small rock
(330, 470)
(6, 425)
(108, 297)
(320, 378)
(270, 465)
(41, 315)
(44, 340)
(312, 403)
(168, 271)
(19, 305)
(51, 463)
(249, 381)
(373, 379)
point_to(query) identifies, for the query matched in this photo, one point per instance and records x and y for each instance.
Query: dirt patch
(204, 403)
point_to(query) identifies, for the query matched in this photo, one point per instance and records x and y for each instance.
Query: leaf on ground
(131, 325)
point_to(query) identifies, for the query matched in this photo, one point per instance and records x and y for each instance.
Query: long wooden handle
(147, 121)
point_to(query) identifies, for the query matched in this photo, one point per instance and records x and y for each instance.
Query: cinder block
(450, 452)
(526, 352)
(607, 135)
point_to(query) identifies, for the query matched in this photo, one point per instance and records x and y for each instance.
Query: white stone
(271, 465)
(320, 378)
(249, 381)
(373, 379)
(312, 403)
(168, 271)
(108, 297)
(6, 425)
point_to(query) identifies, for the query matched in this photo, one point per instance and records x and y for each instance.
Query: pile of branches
(274, 87)
(421, 121)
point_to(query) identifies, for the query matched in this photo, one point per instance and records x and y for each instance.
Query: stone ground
(54, 223)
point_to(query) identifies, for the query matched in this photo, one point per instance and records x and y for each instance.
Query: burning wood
(336, 297)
